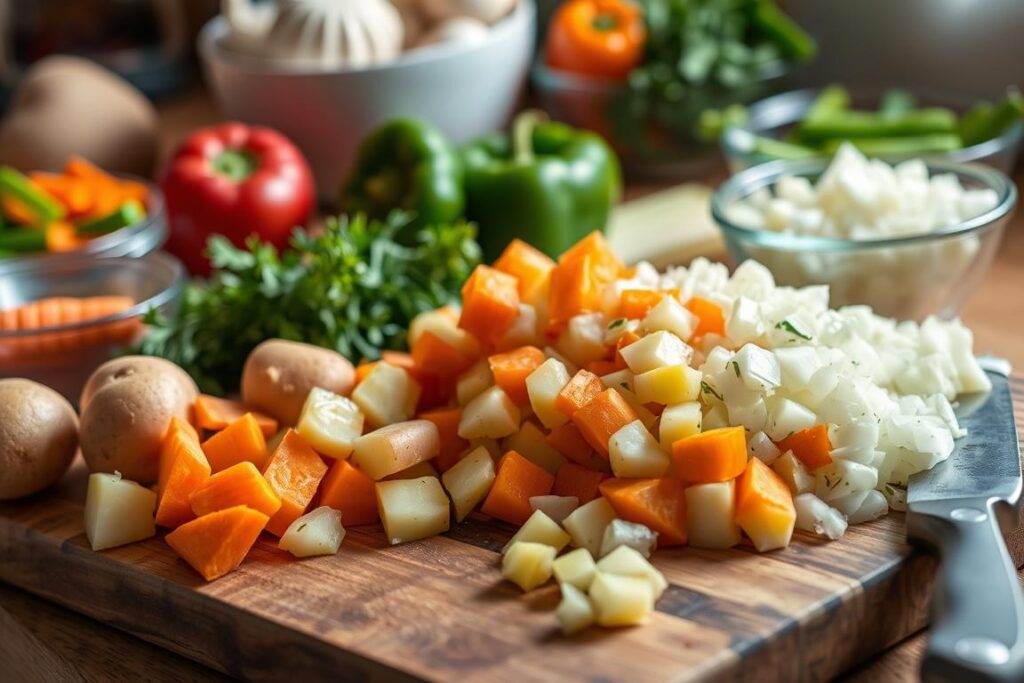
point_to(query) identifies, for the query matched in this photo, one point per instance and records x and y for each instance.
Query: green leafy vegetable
(352, 288)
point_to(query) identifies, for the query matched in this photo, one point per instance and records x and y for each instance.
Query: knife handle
(977, 629)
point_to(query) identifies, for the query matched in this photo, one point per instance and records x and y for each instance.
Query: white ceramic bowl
(466, 89)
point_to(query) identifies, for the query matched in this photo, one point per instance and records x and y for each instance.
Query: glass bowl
(63, 356)
(775, 116)
(652, 140)
(139, 239)
(908, 278)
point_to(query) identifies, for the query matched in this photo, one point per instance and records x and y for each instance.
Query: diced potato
(715, 418)
(710, 511)
(575, 568)
(528, 565)
(633, 452)
(583, 338)
(667, 385)
(645, 415)
(678, 422)
(570, 367)
(636, 536)
(411, 509)
(587, 523)
(543, 386)
(555, 507)
(522, 331)
(540, 528)
(117, 511)
(670, 316)
(396, 447)
(330, 423)
(420, 469)
(319, 532)
(530, 443)
(793, 472)
(444, 324)
(387, 395)
(574, 612)
(474, 382)
(626, 561)
(622, 379)
(656, 350)
(816, 516)
(492, 414)
(620, 600)
(469, 480)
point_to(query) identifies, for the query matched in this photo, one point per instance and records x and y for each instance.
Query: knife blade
(959, 509)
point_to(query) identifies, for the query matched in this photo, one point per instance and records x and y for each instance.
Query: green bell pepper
(549, 185)
(406, 164)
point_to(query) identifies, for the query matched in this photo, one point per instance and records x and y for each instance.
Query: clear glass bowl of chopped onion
(910, 240)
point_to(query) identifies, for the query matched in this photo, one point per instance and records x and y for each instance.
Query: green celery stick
(23, 239)
(831, 100)
(128, 213)
(43, 206)
(985, 121)
(859, 124)
(779, 149)
(896, 102)
(901, 146)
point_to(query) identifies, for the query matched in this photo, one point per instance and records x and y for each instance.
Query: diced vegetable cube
(387, 395)
(216, 543)
(620, 600)
(636, 536)
(578, 482)
(531, 443)
(633, 452)
(528, 565)
(793, 473)
(540, 528)
(716, 455)
(492, 414)
(656, 351)
(764, 507)
(678, 422)
(511, 369)
(587, 523)
(555, 507)
(643, 414)
(710, 515)
(420, 469)
(349, 491)
(517, 481)
(602, 417)
(670, 316)
(659, 504)
(543, 386)
(474, 381)
(240, 484)
(469, 481)
(620, 379)
(490, 302)
(396, 447)
(814, 515)
(411, 509)
(117, 511)
(528, 265)
(575, 568)
(626, 561)
(319, 532)
(666, 385)
(574, 612)
(330, 423)
(522, 331)
(787, 417)
(294, 472)
(583, 338)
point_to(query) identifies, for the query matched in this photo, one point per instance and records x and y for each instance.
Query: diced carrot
(811, 446)
(528, 265)
(435, 390)
(574, 290)
(568, 441)
(240, 441)
(215, 414)
(240, 484)
(602, 367)
(583, 388)
(183, 469)
(716, 455)
(511, 369)
(435, 353)
(72, 193)
(602, 417)
(579, 481)
(710, 316)
(452, 445)
(61, 237)
(764, 506)
(635, 304)
(294, 472)
(350, 492)
(217, 543)
(516, 481)
(604, 263)
(490, 303)
(658, 504)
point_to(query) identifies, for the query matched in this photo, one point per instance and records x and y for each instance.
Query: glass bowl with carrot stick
(81, 210)
(62, 318)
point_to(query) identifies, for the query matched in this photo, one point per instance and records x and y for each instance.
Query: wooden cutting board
(438, 609)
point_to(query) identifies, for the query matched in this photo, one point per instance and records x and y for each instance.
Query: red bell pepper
(234, 180)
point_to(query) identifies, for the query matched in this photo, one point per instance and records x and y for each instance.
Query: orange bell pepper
(603, 38)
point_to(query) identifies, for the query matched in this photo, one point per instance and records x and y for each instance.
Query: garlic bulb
(459, 29)
(487, 11)
(328, 33)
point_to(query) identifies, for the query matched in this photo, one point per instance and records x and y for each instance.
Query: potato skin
(279, 375)
(128, 404)
(38, 437)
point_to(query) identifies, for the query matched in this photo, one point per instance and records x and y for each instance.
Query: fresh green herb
(617, 323)
(352, 288)
(301, 527)
(792, 329)
(735, 367)
(890, 490)
(708, 389)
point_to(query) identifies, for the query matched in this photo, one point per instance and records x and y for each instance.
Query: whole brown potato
(279, 375)
(132, 367)
(38, 437)
(126, 414)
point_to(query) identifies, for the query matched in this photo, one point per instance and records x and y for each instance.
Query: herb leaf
(792, 329)
(708, 389)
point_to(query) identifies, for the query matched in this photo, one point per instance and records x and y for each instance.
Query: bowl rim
(140, 308)
(211, 50)
(1009, 138)
(767, 175)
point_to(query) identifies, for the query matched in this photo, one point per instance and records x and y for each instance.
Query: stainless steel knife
(959, 508)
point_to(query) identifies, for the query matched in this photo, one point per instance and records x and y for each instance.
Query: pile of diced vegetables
(617, 410)
(58, 212)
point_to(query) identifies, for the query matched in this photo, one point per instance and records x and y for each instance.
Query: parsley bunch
(352, 288)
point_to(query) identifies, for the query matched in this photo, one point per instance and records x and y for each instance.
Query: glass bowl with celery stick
(891, 124)
(642, 73)
(910, 240)
(81, 211)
